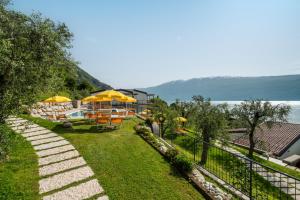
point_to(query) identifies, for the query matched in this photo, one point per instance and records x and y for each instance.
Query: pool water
(76, 115)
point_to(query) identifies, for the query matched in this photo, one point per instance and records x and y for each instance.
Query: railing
(251, 178)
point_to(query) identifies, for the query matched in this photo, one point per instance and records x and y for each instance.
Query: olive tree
(183, 108)
(210, 122)
(254, 113)
(32, 49)
(164, 115)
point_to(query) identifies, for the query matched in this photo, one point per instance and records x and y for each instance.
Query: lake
(294, 116)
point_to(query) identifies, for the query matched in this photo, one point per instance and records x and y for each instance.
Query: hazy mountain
(232, 88)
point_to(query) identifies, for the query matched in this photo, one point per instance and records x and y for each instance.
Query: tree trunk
(205, 148)
(251, 143)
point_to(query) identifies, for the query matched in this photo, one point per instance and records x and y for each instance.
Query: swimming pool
(76, 115)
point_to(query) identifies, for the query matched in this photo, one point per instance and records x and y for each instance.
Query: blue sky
(141, 43)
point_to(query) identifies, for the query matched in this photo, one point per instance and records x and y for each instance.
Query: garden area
(126, 166)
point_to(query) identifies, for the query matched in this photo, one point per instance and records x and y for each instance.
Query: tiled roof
(275, 140)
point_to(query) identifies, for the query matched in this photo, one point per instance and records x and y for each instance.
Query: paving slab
(34, 133)
(81, 191)
(58, 157)
(61, 166)
(56, 150)
(47, 140)
(64, 179)
(103, 198)
(43, 136)
(51, 145)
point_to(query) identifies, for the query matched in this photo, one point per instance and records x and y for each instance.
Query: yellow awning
(57, 99)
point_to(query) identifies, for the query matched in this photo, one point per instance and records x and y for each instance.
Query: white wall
(294, 149)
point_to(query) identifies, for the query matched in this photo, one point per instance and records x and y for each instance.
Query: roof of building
(132, 91)
(275, 140)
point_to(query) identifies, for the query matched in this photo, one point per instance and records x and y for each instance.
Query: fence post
(251, 168)
(194, 149)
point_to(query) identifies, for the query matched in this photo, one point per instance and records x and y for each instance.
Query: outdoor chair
(116, 122)
(130, 114)
(61, 117)
(50, 117)
(101, 121)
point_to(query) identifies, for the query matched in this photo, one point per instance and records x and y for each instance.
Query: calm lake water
(294, 116)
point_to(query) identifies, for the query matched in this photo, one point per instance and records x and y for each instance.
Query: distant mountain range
(232, 88)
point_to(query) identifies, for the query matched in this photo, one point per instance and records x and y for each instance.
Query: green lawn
(19, 175)
(127, 167)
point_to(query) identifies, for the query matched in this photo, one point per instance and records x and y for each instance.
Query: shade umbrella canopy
(89, 99)
(115, 95)
(130, 100)
(95, 99)
(181, 119)
(126, 99)
(57, 99)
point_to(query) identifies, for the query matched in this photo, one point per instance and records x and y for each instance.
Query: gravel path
(64, 173)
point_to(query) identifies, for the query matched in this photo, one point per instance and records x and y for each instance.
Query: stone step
(103, 198)
(58, 157)
(19, 122)
(44, 136)
(61, 166)
(64, 179)
(81, 191)
(27, 127)
(56, 150)
(40, 132)
(47, 140)
(38, 128)
(51, 145)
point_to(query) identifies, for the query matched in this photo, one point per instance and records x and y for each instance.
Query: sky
(143, 43)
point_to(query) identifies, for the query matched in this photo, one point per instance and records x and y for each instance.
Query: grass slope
(19, 175)
(127, 167)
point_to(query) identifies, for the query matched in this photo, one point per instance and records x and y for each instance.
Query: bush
(171, 154)
(147, 135)
(141, 130)
(5, 137)
(183, 163)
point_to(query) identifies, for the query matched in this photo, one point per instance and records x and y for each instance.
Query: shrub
(183, 163)
(139, 129)
(171, 154)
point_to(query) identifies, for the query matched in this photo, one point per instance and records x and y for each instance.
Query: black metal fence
(251, 178)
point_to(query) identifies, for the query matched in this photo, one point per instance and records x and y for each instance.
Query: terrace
(125, 165)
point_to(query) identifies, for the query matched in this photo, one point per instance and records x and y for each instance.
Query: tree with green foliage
(183, 108)
(165, 116)
(210, 122)
(32, 48)
(254, 113)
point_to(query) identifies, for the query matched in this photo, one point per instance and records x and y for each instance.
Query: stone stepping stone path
(64, 174)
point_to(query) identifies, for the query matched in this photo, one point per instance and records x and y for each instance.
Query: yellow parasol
(89, 99)
(96, 99)
(57, 99)
(181, 119)
(111, 94)
(126, 99)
